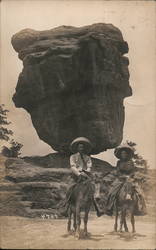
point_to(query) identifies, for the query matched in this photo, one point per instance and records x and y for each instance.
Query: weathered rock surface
(73, 83)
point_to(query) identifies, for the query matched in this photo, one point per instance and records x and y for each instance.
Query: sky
(136, 20)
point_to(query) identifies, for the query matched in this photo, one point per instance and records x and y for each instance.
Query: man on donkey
(125, 168)
(81, 167)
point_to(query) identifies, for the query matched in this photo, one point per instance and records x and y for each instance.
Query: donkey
(126, 202)
(80, 200)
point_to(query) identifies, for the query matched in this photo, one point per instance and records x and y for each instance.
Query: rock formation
(34, 186)
(73, 84)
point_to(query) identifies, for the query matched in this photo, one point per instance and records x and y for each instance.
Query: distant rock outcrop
(73, 84)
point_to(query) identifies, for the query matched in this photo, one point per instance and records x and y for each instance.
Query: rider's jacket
(79, 162)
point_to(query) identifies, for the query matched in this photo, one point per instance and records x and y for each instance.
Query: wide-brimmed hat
(86, 142)
(124, 147)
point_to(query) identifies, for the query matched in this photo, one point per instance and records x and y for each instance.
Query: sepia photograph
(78, 124)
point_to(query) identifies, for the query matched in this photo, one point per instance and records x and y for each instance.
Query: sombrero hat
(124, 147)
(87, 144)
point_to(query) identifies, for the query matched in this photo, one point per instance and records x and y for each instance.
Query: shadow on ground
(126, 236)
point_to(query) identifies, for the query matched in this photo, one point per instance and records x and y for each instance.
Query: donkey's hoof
(77, 235)
(86, 234)
(114, 232)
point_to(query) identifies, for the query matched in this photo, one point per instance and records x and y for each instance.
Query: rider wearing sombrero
(125, 168)
(81, 166)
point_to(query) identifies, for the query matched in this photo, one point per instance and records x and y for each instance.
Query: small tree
(141, 176)
(15, 147)
(138, 159)
(4, 132)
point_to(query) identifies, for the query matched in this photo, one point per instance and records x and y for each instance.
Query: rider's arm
(89, 164)
(73, 166)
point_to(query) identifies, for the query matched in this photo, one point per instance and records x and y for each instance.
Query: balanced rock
(73, 83)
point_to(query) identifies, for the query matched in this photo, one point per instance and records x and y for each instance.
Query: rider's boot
(98, 210)
(64, 210)
(109, 210)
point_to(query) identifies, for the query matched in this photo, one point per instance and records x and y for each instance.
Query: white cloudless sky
(136, 20)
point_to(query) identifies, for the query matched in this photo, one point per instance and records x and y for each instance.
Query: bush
(13, 151)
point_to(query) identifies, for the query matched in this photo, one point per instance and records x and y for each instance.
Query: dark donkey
(126, 202)
(80, 200)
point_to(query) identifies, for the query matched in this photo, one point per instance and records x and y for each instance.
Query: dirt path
(38, 233)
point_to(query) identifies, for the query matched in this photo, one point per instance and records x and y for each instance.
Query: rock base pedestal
(34, 186)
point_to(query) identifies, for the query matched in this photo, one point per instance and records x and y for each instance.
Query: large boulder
(73, 84)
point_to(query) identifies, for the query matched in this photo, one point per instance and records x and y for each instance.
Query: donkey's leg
(74, 219)
(116, 220)
(133, 222)
(78, 221)
(69, 220)
(125, 223)
(121, 219)
(86, 220)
